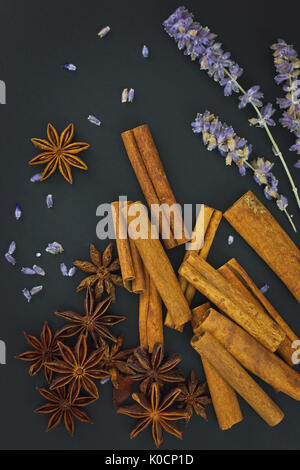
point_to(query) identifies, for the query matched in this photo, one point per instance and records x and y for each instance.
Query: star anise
(64, 405)
(45, 350)
(148, 368)
(155, 411)
(94, 322)
(101, 268)
(59, 152)
(77, 369)
(193, 398)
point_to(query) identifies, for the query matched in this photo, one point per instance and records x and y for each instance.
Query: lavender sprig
(220, 136)
(199, 43)
(287, 65)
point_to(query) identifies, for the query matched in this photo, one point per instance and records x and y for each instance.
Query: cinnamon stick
(251, 219)
(130, 261)
(234, 374)
(157, 264)
(231, 301)
(251, 354)
(150, 173)
(223, 396)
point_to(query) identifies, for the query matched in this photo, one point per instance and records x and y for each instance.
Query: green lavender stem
(267, 129)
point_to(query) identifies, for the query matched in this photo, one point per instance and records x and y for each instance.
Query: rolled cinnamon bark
(251, 354)
(234, 374)
(230, 300)
(130, 261)
(223, 396)
(158, 265)
(251, 219)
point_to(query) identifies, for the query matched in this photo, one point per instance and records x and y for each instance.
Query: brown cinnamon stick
(223, 396)
(251, 219)
(130, 261)
(231, 301)
(234, 374)
(150, 173)
(251, 354)
(157, 264)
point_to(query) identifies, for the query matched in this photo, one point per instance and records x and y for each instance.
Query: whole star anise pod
(155, 411)
(59, 152)
(77, 369)
(149, 368)
(193, 398)
(101, 270)
(44, 350)
(64, 405)
(93, 323)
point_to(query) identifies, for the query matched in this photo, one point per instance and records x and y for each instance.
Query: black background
(36, 38)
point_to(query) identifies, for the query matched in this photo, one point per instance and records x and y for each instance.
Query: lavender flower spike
(49, 201)
(10, 259)
(26, 294)
(36, 177)
(54, 248)
(18, 212)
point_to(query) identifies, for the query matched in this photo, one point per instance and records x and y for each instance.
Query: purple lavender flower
(295, 147)
(229, 83)
(38, 270)
(36, 177)
(10, 259)
(35, 290)
(262, 170)
(253, 96)
(72, 271)
(130, 95)
(266, 117)
(297, 164)
(54, 248)
(282, 202)
(49, 201)
(145, 52)
(18, 211)
(63, 269)
(230, 240)
(12, 248)
(28, 271)
(26, 294)
(264, 288)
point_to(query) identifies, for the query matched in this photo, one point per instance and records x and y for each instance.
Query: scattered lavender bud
(63, 269)
(26, 294)
(49, 201)
(130, 95)
(36, 177)
(38, 254)
(104, 31)
(94, 120)
(54, 248)
(36, 290)
(10, 259)
(124, 95)
(12, 248)
(70, 67)
(28, 271)
(230, 240)
(72, 271)
(264, 288)
(145, 52)
(105, 380)
(18, 212)
(38, 270)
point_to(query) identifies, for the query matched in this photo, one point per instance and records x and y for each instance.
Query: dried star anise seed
(101, 270)
(149, 368)
(64, 405)
(59, 152)
(193, 397)
(77, 369)
(45, 350)
(159, 413)
(94, 322)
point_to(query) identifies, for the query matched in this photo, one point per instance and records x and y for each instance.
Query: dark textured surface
(36, 38)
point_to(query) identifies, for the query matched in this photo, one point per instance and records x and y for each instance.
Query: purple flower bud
(49, 201)
(38, 270)
(38, 254)
(63, 269)
(94, 120)
(10, 259)
(54, 248)
(12, 248)
(26, 294)
(230, 240)
(105, 380)
(104, 31)
(28, 271)
(297, 164)
(145, 52)
(36, 290)
(130, 95)
(36, 177)
(70, 67)
(264, 288)
(72, 271)
(18, 212)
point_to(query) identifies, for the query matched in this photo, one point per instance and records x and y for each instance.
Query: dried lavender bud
(264, 288)
(70, 67)
(18, 212)
(130, 95)
(72, 271)
(28, 271)
(63, 269)
(36, 177)
(49, 201)
(124, 96)
(38, 270)
(38, 254)
(105, 380)
(145, 52)
(94, 120)
(10, 259)
(36, 290)
(104, 31)
(230, 240)
(26, 294)
(12, 248)
(54, 248)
